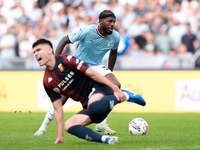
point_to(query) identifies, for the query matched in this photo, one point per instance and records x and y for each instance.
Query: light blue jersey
(93, 46)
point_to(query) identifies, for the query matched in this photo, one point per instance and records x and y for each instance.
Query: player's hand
(59, 140)
(119, 95)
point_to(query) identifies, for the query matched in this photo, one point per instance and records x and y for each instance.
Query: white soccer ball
(138, 126)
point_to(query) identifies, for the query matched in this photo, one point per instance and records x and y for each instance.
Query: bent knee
(113, 79)
(118, 84)
(78, 119)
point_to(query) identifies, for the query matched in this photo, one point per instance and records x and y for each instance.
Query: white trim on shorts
(101, 69)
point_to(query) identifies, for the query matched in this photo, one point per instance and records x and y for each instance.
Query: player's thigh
(98, 91)
(94, 97)
(104, 71)
(64, 99)
(77, 119)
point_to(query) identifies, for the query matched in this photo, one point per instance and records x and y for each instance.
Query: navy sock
(99, 110)
(85, 133)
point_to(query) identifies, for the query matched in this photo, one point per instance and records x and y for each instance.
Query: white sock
(127, 96)
(105, 120)
(48, 118)
(103, 138)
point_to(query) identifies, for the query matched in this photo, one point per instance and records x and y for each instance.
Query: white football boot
(104, 128)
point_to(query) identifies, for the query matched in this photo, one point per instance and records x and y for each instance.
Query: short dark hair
(105, 14)
(42, 41)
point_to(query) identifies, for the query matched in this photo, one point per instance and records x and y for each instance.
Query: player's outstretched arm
(65, 40)
(58, 113)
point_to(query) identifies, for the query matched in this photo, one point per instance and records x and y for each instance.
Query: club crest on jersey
(61, 67)
(109, 42)
(73, 34)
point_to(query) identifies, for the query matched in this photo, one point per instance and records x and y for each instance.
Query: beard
(105, 30)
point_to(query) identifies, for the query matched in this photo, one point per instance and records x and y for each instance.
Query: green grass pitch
(173, 131)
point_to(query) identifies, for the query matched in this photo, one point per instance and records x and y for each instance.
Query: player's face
(108, 25)
(41, 53)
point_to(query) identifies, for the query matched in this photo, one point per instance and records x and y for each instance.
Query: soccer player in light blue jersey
(93, 46)
(95, 42)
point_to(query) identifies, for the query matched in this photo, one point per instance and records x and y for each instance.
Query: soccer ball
(138, 126)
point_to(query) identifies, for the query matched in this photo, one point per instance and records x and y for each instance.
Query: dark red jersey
(67, 78)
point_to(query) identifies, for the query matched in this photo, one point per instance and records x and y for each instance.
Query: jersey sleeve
(77, 35)
(75, 63)
(52, 94)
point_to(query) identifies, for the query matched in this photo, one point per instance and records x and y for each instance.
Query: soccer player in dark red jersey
(69, 76)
